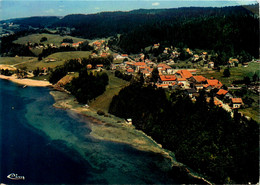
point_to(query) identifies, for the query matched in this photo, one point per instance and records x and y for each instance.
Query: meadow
(103, 101)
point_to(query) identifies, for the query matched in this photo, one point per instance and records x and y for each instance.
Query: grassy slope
(14, 60)
(103, 101)
(60, 58)
(238, 73)
(51, 38)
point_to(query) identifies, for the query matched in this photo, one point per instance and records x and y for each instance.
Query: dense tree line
(87, 86)
(203, 136)
(5, 72)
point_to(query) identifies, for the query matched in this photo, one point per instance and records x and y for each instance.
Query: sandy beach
(28, 82)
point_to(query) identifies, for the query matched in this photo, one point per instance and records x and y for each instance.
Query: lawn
(59, 57)
(51, 38)
(103, 101)
(14, 60)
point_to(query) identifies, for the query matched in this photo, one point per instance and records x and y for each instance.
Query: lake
(53, 146)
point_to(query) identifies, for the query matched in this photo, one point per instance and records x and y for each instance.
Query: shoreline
(110, 128)
(114, 129)
(26, 81)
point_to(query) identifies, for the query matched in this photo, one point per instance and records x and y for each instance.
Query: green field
(51, 38)
(69, 55)
(103, 101)
(59, 57)
(237, 73)
(15, 60)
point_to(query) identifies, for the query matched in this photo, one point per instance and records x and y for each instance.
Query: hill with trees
(203, 136)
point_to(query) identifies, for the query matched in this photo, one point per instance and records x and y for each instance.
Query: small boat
(14, 176)
(24, 86)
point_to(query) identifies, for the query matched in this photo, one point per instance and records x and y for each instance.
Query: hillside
(233, 30)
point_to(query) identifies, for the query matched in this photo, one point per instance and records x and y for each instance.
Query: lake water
(53, 146)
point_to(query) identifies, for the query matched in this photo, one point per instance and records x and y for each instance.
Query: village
(170, 78)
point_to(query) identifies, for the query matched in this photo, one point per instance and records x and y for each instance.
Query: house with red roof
(64, 44)
(184, 73)
(164, 86)
(223, 93)
(140, 66)
(236, 103)
(214, 83)
(167, 79)
(130, 71)
(198, 79)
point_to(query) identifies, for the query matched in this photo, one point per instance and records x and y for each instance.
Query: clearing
(103, 101)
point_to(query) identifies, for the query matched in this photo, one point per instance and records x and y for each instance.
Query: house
(64, 44)
(198, 79)
(184, 74)
(155, 46)
(77, 44)
(129, 71)
(211, 64)
(104, 55)
(167, 79)
(163, 86)
(232, 62)
(129, 121)
(199, 86)
(139, 66)
(195, 57)
(89, 66)
(164, 68)
(183, 82)
(146, 73)
(224, 93)
(189, 51)
(99, 66)
(214, 83)
(237, 103)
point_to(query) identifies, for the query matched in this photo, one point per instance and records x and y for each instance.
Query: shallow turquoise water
(49, 145)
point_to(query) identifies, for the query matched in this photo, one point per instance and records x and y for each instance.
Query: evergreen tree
(226, 72)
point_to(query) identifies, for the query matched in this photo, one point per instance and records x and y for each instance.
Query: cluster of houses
(185, 79)
(192, 84)
(101, 48)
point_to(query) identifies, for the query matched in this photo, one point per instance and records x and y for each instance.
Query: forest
(227, 31)
(202, 136)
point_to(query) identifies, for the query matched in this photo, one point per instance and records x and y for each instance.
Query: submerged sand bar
(28, 82)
